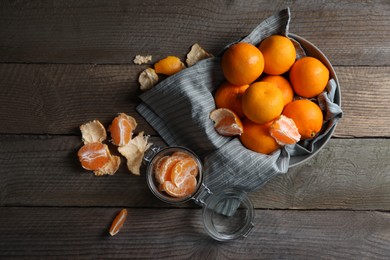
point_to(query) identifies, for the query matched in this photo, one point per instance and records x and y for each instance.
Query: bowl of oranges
(271, 96)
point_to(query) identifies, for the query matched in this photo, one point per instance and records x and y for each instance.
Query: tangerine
(242, 63)
(186, 188)
(182, 169)
(93, 156)
(262, 102)
(257, 137)
(284, 131)
(121, 129)
(309, 77)
(229, 96)
(279, 54)
(307, 116)
(284, 85)
(226, 122)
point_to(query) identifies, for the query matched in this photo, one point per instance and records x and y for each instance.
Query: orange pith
(284, 131)
(93, 156)
(307, 116)
(279, 54)
(309, 77)
(229, 96)
(242, 63)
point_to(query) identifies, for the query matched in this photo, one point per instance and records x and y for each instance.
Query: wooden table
(63, 63)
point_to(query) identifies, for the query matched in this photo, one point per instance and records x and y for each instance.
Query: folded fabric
(178, 109)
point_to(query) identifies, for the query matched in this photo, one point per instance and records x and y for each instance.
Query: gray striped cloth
(178, 109)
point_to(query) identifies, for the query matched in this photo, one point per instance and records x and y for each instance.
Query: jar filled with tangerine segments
(175, 175)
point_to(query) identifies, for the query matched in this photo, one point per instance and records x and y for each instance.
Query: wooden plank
(178, 234)
(44, 171)
(349, 33)
(364, 93)
(57, 98)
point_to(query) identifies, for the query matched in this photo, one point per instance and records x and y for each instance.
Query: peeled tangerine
(169, 66)
(94, 155)
(121, 129)
(226, 122)
(284, 131)
(176, 174)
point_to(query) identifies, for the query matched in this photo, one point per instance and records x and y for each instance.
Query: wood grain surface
(115, 31)
(57, 98)
(63, 63)
(179, 234)
(45, 171)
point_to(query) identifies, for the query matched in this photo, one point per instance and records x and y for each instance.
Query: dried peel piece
(147, 79)
(118, 222)
(122, 128)
(139, 59)
(196, 54)
(226, 122)
(169, 65)
(93, 132)
(110, 168)
(134, 152)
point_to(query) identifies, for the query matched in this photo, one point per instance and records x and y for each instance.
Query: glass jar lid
(228, 215)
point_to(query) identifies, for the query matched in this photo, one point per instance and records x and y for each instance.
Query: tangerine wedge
(186, 188)
(284, 131)
(121, 129)
(93, 156)
(164, 166)
(182, 170)
(226, 122)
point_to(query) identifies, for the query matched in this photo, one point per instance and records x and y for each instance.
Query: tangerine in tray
(269, 90)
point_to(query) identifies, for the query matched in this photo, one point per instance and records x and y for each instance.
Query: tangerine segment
(242, 63)
(93, 156)
(169, 66)
(164, 166)
(284, 131)
(182, 170)
(226, 122)
(186, 188)
(122, 128)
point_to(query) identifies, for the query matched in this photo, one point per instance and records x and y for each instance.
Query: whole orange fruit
(242, 63)
(309, 77)
(279, 54)
(229, 96)
(306, 115)
(257, 137)
(262, 102)
(284, 85)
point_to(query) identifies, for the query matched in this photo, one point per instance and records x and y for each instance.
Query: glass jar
(227, 214)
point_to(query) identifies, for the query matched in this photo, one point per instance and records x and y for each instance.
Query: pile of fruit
(266, 98)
